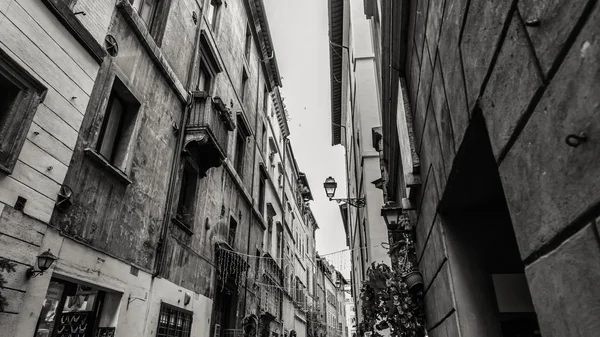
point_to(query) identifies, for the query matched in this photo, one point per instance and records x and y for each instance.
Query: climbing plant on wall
(5, 267)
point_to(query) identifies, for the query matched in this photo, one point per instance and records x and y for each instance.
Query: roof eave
(336, 34)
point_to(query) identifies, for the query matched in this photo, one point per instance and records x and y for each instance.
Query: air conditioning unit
(217, 330)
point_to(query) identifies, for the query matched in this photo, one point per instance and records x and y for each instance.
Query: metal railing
(232, 333)
(204, 117)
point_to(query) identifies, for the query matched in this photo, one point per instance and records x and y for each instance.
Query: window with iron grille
(174, 322)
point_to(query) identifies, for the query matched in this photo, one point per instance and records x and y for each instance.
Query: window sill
(182, 225)
(98, 159)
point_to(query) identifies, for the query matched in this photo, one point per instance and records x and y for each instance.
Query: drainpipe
(252, 192)
(160, 249)
(284, 178)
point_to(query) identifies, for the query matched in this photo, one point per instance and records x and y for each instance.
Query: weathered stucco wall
(532, 68)
(120, 219)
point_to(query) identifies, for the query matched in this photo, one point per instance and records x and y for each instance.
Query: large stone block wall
(533, 69)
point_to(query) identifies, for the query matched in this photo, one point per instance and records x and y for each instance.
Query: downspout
(160, 249)
(252, 193)
(293, 263)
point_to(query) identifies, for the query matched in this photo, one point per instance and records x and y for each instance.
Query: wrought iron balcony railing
(207, 130)
(232, 333)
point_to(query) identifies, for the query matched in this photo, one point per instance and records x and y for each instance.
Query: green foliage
(387, 302)
(6, 266)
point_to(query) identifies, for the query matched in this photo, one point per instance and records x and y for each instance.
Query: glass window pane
(111, 128)
(48, 313)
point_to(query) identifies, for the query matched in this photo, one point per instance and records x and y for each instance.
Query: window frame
(180, 219)
(240, 153)
(230, 240)
(212, 22)
(244, 83)
(157, 21)
(262, 187)
(168, 309)
(120, 90)
(248, 43)
(102, 94)
(16, 121)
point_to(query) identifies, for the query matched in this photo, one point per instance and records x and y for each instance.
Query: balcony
(207, 131)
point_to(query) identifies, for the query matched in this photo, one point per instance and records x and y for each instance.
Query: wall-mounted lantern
(44, 261)
(330, 186)
(391, 213)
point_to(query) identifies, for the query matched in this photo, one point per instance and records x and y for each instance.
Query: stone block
(447, 328)
(420, 22)
(452, 70)
(481, 33)
(438, 298)
(8, 323)
(442, 116)
(556, 22)
(426, 211)
(434, 253)
(410, 45)
(547, 182)
(423, 93)
(564, 287)
(511, 86)
(413, 82)
(431, 151)
(434, 21)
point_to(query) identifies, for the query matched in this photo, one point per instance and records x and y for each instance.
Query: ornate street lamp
(44, 261)
(330, 186)
(391, 214)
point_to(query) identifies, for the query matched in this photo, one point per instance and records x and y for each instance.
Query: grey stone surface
(557, 19)
(413, 83)
(438, 299)
(482, 30)
(513, 82)
(431, 151)
(426, 210)
(434, 21)
(433, 253)
(564, 287)
(452, 71)
(423, 93)
(548, 183)
(420, 25)
(442, 117)
(448, 328)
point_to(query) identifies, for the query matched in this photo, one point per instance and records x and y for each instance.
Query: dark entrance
(488, 273)
(70, 309)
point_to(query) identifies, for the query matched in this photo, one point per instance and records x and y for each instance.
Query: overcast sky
(300, 35)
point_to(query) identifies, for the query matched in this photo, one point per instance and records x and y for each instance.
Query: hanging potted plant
(387, 303)
(404, 252)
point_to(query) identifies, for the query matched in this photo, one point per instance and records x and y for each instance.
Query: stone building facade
(330, 308)
(355, 112)
(146, 147)
(489, 141)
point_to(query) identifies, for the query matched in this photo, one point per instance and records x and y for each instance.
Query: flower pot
(414, 280)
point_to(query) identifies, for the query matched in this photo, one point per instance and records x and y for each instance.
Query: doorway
(75, 309)
(492, 293)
